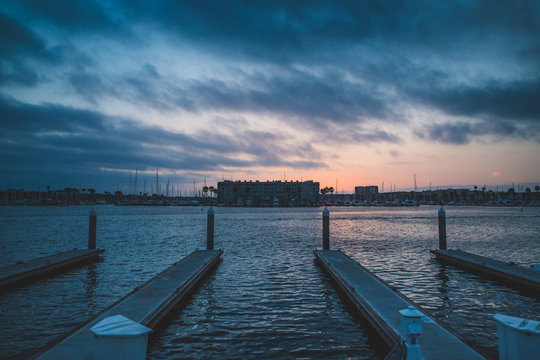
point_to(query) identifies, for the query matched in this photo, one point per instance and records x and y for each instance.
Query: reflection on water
(90, 282)
(267, 298)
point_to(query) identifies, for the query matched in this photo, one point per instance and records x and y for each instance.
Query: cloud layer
(40, 138)
(352, 69)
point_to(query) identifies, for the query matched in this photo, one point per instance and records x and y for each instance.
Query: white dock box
(118, 337)
(518, 338)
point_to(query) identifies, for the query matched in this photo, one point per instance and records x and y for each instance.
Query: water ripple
(267, 298)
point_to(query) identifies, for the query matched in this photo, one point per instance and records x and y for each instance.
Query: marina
(507, 273)
(382, 306)
(147, 305)
(23, 272)
(252, 129)
(282, 304)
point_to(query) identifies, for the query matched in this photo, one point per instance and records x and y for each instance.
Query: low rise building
(268, 193)
(366, 193)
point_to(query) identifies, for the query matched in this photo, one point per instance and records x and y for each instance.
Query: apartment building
(268, 193)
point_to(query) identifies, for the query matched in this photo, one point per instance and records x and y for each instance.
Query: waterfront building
(339, 199)
(268, 193)
(366, 193)
(49, 197)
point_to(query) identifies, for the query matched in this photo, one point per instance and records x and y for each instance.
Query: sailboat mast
(135, 181)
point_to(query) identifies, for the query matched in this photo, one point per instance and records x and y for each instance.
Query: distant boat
(410, 203)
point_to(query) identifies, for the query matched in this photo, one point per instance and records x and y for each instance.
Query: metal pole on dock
(442, 229)
(210, 229)
(326, 229)
(92, 229)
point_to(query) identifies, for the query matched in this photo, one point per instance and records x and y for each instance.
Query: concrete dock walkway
(148, 305)
(380, 305)
(15, 275)
(505, 272)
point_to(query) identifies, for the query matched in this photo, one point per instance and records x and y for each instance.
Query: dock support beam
(210, 229)
(326, 229)
(442, 229)
(92, 229)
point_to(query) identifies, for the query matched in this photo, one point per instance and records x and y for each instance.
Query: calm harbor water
(267, 298)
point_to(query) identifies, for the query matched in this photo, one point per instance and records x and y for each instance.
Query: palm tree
(511, 192)
(205, 190)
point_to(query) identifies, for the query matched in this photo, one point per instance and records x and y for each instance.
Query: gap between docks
(380, 304)
(507, 273)
(148, 304)
(18, 274)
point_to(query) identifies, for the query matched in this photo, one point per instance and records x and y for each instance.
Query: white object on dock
(518, 338)
(118, 337)
(411, 327)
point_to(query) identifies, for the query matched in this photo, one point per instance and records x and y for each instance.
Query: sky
(346, 93)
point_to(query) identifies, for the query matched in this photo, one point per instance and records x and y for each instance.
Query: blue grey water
(267, 299)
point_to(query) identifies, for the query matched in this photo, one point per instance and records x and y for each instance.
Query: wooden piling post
(326, 228)
(92, 229)
(210, 229)
(442, 229)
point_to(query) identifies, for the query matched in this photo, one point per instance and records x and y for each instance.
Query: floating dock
(148, 304)
(15, 275)
(505, 272)
(380, 304)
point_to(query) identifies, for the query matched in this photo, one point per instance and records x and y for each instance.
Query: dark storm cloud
(84, 16)
(282, 30)
(326, 33)
(89, 86)
(317, 100)
(286, 31)
(326, 63)
(328, 96)
(18, 43)
(144, 88)
(458, 134)
(20, 118)
(34, 138)
(17, 39)
(462, 133)
(497, 100)
(502, 109)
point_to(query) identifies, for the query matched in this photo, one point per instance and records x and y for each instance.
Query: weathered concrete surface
(147, 305)
(381, 304)
(505, 272)
(18, 274)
